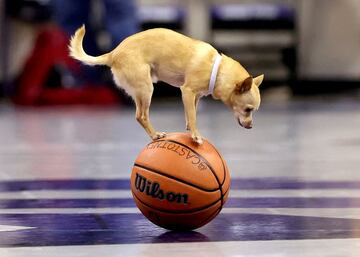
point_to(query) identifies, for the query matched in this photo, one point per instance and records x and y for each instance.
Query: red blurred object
(50, 50)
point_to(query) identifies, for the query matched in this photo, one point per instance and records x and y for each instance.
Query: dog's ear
(244, 86)
(258, 80)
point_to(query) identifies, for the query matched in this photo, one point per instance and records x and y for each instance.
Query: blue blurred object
(118, 20)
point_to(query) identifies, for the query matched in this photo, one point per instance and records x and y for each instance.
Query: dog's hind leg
(142, 102)
(138, 84)
(143, 91)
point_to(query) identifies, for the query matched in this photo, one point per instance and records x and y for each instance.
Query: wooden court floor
(64, 181)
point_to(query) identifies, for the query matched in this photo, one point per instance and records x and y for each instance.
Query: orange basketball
(178, 184)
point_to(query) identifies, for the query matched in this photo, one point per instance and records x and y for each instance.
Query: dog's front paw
(197, 138)
(158, 135)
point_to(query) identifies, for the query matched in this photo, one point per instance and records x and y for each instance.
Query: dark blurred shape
(29, 10)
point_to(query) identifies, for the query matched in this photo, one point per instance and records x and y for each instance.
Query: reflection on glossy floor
(64, 182)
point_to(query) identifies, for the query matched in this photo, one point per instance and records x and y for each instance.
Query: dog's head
(245, 99)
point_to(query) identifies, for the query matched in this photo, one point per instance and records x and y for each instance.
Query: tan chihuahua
(192, 65)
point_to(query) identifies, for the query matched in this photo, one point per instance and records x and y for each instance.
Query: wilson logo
(153, 189)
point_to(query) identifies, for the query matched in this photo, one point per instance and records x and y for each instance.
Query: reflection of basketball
(179, 185)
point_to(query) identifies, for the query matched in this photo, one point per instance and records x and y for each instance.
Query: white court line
(70, 211)
(66, 194)
(341, 213)
(349, 213)
(101, 194)
(323, 193)
(5, 228)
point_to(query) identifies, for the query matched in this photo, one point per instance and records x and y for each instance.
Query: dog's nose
(248, 125)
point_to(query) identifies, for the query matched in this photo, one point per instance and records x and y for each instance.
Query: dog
(194, 66)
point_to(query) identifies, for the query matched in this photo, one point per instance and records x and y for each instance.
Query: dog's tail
(78, 53)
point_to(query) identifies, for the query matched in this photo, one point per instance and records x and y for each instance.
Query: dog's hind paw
(158, 135)
(197, 139)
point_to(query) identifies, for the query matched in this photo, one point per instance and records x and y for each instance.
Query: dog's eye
(248, 110)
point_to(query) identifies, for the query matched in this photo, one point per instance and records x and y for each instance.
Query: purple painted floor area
(117, 184)
(88, 229)
(244, 202)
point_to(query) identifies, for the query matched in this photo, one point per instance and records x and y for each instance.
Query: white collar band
(214, 73)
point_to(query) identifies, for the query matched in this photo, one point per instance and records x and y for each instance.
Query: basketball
(179, 185)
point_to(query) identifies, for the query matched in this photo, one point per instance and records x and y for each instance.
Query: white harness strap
(214, 73)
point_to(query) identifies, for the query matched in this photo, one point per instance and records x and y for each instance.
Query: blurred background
(303, 47)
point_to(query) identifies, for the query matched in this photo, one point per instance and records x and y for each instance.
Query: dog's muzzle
(247, 126)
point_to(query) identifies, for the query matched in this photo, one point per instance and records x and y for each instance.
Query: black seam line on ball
(227, 190)
(174, 178)
(204, 160)
(179, 211)
(223, 164)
